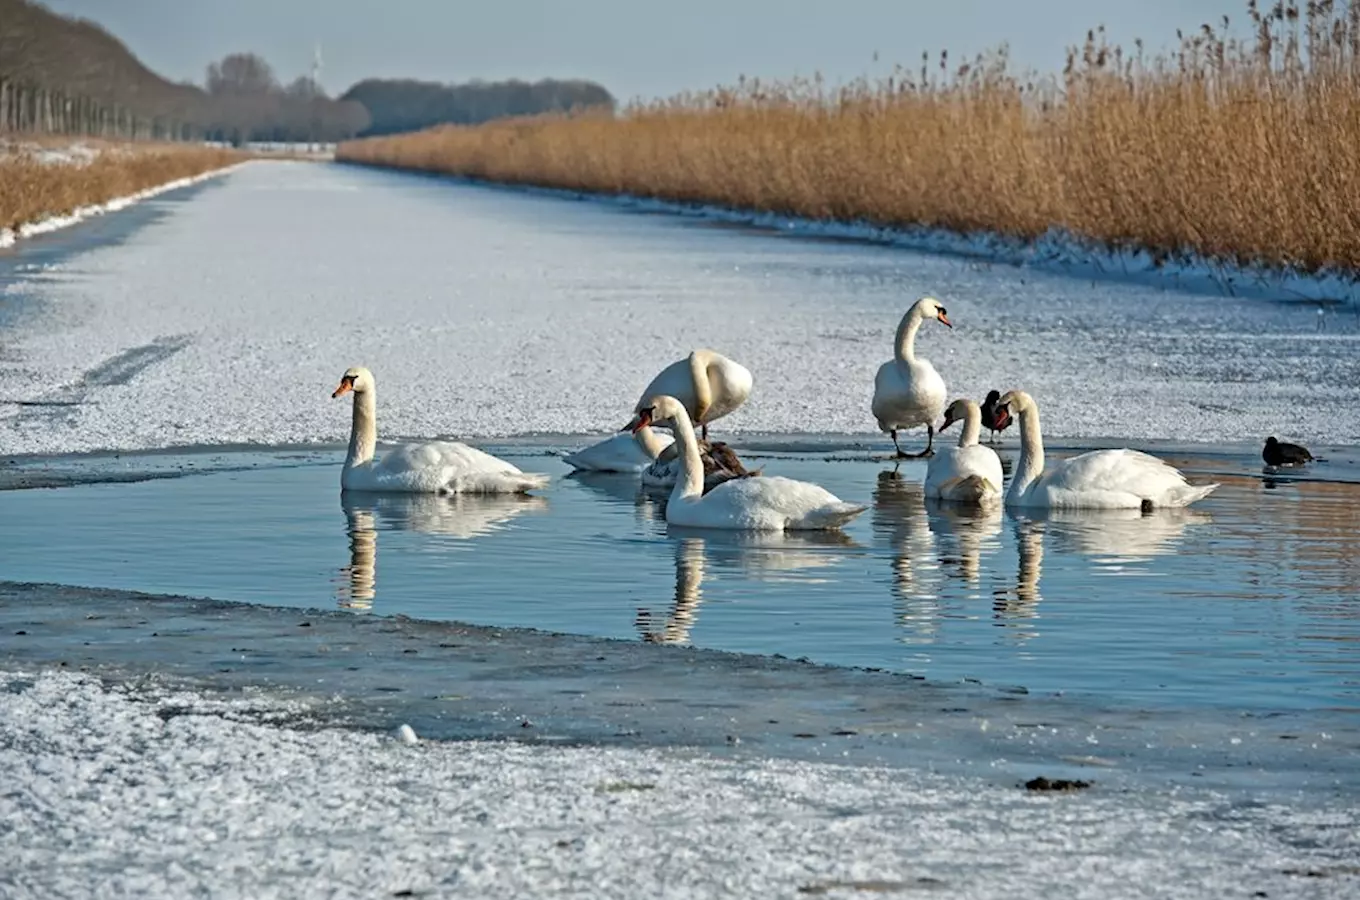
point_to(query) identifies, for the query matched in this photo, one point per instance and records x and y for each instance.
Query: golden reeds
(32, 189)
(1244, 151)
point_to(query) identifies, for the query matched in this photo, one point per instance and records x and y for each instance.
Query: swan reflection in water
(1117, 538)
(899, 517)
(766, 556)
(457, 516)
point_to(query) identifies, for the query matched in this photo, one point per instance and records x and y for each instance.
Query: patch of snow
(152, 791)
(487, 313)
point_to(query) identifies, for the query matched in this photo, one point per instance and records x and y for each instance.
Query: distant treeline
(397, 105)
(62, 75)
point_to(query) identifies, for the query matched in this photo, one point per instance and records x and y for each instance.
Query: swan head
(957, 412)
(358, 379)
(1010, 405)
(930, 308)
(659, 410)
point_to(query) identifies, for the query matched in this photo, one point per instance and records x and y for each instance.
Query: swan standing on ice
(708, 384)
(1101, 479)
(746, 504)
(908, 392)
(968, 473)
(437, 467)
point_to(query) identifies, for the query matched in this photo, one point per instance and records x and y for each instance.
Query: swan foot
(924, 454)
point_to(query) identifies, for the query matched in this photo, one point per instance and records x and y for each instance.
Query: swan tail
(1191, 493)
(972, 489)
(577, 463)
(833, 515)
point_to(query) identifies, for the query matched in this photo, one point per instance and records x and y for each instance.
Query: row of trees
(69, 76)
(61, 75)
(397, 105)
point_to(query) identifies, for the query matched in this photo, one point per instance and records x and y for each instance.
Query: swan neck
(690, 485)
(972, 426)
(363, 432)
(1031, 464)
(906, 336)
(649, 441)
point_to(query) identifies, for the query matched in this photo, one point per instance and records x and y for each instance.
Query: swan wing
(446, 467)
(765, 503)
(1118, 478)
(617, 453)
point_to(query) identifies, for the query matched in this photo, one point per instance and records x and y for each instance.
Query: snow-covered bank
(8, 236)
(151, 791)
(490, 313)
(1055, 251)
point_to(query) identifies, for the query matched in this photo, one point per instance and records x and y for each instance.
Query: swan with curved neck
(968, 473)
(908, 392)
(436, 467)
(708, 384)
(1100, 479)
(746, 504)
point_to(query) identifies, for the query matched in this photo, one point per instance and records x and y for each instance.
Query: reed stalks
(1244, 151)
(32, 189)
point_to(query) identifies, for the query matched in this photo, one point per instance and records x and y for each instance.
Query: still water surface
(1249, 601)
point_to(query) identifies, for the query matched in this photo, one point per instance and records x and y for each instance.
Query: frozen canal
(1202, 669)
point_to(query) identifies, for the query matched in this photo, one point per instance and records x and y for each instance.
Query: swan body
(908, 392)
(621, 452)
(436, 467)
(744, 504)
(1101, 479)
(708, 384)
(968, 473)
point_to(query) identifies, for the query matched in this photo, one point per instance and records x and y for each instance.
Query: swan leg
(930, 445)
(897, 446)
(703, 430)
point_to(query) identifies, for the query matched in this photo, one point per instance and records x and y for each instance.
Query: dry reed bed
(32, 189)
(1242, 151)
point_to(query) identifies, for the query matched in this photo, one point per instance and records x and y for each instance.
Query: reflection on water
(1251, 598)
(769, 557)
(457, 516)
(689, 579)
(625, 488)
(899, 519)
(1015, 603)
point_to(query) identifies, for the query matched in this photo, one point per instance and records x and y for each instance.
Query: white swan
(747, 504)
(908, 392)
(968, 473)
(437, 467)
(708, 384)
(621, 452)
(1101, 479)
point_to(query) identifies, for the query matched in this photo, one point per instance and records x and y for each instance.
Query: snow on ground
(488, 312)
(77, 153)
(149, 791)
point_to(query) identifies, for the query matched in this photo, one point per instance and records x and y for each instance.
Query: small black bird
(1277, 454)
(989, 417)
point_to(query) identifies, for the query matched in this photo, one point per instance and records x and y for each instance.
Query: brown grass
(1238, 151)
(31, 190)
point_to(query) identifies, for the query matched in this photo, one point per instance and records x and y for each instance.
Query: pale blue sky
(632, 47)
